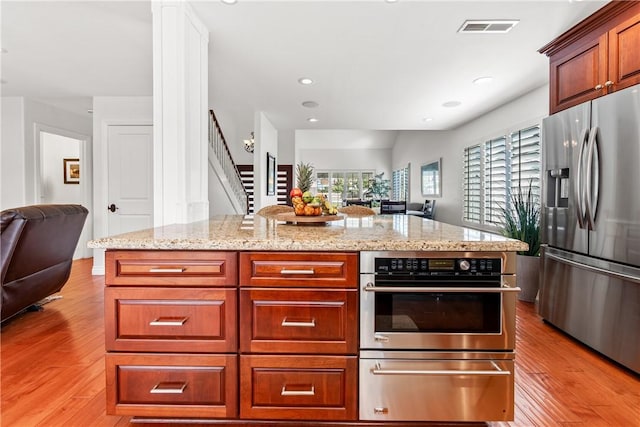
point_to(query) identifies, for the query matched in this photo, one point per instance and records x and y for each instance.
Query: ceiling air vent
(488, 26)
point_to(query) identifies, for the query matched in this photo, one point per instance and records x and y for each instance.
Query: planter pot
(528, 277)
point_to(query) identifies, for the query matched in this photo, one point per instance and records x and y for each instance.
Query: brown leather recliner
(36, 251)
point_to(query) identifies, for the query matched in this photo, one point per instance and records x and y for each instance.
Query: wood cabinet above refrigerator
(596, 57)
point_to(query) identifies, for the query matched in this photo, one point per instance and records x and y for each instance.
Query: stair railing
(219, 146)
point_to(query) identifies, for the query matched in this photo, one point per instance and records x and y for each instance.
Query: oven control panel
(438, 266)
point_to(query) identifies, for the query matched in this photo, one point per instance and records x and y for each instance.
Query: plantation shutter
(400, 183)
(495, 179)
(472, 182)
(525, 160)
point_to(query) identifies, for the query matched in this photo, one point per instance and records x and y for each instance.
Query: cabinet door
(170, 385)
(298, 269)
(624, 54)
(171, 319)
(171, 268)
(579, 74)
(298, 387)
(299, 321)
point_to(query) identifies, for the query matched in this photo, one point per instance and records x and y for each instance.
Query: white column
(180, 114)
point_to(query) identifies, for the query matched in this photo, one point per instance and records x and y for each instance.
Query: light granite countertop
(370, 233)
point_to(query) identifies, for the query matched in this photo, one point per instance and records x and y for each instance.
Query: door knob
(112, 207)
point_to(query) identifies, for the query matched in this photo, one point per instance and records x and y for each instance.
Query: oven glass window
(438, 312)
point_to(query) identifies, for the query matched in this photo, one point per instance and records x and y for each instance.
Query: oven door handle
(415, 290)
(377, 370)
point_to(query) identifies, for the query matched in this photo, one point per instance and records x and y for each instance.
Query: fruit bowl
(306, 204)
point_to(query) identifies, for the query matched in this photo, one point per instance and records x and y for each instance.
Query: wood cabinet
(299, 321)
(183, 340)
(596, 57)
(172, 385)
(171, 336)
(298, 387)
(299, 336)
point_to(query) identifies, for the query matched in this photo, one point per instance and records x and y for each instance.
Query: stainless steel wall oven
(437, 336)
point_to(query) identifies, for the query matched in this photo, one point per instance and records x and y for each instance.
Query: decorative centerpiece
(306, 204)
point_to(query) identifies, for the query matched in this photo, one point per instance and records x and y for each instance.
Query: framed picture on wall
(71, 168)
(271, 175)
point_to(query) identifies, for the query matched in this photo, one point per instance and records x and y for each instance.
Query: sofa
(36, 252)
(424, 210)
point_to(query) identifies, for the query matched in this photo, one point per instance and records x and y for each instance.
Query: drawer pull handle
(286, 392)
(169, 321)
(167, 270)
(285, 271)
(168, 388)
(311, 324)
(380, 411)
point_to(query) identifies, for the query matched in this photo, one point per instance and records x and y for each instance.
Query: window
(340, 185)
(495, 179)
(472, 181)
(400, 183)
(497, 168)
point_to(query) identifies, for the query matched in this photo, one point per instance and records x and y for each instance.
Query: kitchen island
(246, 320)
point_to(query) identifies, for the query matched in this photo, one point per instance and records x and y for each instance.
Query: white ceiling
(376, 65)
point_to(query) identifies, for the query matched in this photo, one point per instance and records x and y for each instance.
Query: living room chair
(36, 252)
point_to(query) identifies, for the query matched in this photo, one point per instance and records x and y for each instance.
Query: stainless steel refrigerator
(590, 284)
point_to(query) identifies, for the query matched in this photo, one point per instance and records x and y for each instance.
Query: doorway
(62, 175)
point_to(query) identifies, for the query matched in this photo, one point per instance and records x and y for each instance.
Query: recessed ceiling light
(305, 81)
(229, 1)
(427, 119)
(310, 104)
(391, 1)
(312, 120)
(483, 80)
(90, 111)
(451, 104)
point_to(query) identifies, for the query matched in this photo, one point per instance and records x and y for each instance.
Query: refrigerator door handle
(579, 190)
(599, 270)
(592, 177)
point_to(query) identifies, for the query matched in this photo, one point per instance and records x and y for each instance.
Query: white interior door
(130, 182)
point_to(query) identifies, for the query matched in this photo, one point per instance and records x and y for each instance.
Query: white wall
(346, 149)
(420, 147)
(53, 150)
(428, 145)
(111, 110)
(12, 177)
(20, 152)
(266, 137)
(37, 113)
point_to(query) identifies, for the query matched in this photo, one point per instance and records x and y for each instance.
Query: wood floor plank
(52, 369)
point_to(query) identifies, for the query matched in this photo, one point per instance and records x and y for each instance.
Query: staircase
(226, 191)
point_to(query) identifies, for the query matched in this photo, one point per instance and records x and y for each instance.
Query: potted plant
(378, 189)
(522, 222)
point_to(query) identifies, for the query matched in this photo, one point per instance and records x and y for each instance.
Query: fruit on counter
(309, 205)
(307, 197)
(295, 192)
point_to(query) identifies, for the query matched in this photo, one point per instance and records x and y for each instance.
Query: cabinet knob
(598, 87)
(608, 83)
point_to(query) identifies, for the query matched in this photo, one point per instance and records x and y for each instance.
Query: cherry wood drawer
(171, 268)
(299, 321)
(298, 387)
(171, 319)
(299, 269)
(170, 385)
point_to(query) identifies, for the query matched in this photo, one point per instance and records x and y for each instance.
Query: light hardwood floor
(52, 369)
